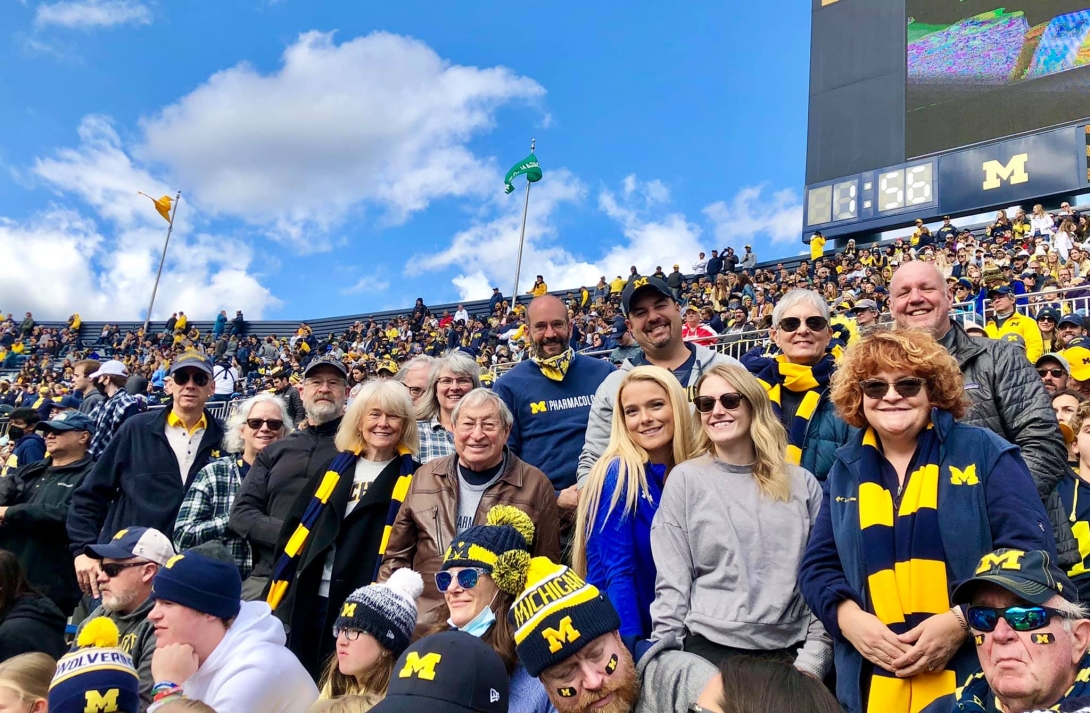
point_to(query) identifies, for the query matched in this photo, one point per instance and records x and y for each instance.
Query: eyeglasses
(255, 424)
(1019, 618)
(331, 384)
(1054, 373)
(489, 427)
(113, 569)
(814, 324)
(467, 579)
(416, 391)
(730, 401)
(350, 634)
(461, 381)
(878, 388)
(181, 378)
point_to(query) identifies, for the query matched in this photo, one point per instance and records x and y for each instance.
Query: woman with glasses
(451, 378)
(256, 423)
(651, 433)
(909, 508)
(795, 372)
(481, 574)
(333, 538)
(730, 532)
(374, 627)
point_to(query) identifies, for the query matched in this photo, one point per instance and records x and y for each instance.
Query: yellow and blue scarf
(555, 367)
(905, 564)
(342, 465)
(776, 373)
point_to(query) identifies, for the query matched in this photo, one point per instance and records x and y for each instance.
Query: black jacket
(269, 490)
(291, 397)
(355, 563)
(1008, 398)
(730, 263)
(136, 481)
(38, 497)
(715, 266)
(32, 624)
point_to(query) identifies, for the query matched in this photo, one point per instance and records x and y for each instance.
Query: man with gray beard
(127, 564)
(283, 469)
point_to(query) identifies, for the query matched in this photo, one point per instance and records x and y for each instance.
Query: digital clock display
(906, 187)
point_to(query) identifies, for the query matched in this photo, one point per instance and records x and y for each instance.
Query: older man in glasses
(142, 476)
(127, 565)
(1031, 637)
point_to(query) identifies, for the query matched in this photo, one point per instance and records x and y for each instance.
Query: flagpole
(522, 235)
(162, 259)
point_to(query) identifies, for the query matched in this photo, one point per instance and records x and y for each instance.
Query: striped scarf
(975, 695)
(776, 373)
(557, 366)
(905, 564)
(342, 465)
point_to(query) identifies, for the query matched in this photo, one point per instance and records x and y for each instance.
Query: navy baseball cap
(192, 360)
(643, 284)
(1001, 290)
(68, 421)
(1071, 319)
(1031, 575)
(144, 542)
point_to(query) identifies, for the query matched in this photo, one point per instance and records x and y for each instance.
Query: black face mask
(15, 433)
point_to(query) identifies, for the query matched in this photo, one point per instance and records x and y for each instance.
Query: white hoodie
(251, 670)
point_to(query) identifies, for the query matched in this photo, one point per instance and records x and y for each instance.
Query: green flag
(528, 167)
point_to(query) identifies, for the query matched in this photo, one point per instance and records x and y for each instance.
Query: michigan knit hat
(386, 611)
(506, 529)
(97, 675)
(201, 583)
(557, 613)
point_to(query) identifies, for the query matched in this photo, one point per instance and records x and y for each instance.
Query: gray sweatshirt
(137, 639)
(670, 680)
(728, 559)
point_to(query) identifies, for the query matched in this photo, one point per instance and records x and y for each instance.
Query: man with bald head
(550, 396)
(1004, 390)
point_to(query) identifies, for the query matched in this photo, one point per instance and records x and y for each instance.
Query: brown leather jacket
(425, 525)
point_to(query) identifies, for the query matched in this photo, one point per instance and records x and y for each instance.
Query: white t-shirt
(365, 473)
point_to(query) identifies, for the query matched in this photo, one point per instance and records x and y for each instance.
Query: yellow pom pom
(513, 517)
(100, 632)
(509, 572)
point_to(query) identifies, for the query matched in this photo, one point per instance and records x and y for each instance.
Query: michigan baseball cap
(68, 421)
(1001, 290)
(192, 360)
(144, 542)
(1032, 576)
(641, 284)
(1071, 319)
(449, 672)
(1077, 354)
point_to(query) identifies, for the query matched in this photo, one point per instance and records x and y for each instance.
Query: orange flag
(161, 204)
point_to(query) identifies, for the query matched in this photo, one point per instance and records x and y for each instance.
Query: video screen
(977, 71)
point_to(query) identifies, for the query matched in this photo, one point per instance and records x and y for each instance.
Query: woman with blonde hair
(651, 433)
(335, 535)
(731, 531)
(24, 683)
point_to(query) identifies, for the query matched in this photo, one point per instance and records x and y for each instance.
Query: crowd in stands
(853, 484)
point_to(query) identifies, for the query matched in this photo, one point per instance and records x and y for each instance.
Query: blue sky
(336, 157)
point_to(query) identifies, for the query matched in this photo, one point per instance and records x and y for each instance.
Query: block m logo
(423, 667)
(964, 477)
(564, 633)
(1014, 172)
(537, 407)
(1010, 560)
(101, 703)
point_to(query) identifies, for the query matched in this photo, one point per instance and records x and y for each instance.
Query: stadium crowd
(852, 484)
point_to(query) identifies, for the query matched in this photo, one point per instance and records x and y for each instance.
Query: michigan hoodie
(251, 669)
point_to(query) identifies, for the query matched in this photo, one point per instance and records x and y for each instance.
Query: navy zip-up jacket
(136, 482)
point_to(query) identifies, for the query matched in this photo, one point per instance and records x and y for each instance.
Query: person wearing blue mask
(480, 602)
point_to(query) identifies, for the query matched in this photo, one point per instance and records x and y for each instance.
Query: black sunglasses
(181, 378)
(1054, 373)
(255, 424)
(467, 579)
(1019, 618)
(730, 401)
(814, 324)
(113, 569)
(907, 387)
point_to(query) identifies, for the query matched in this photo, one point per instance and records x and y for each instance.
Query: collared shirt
(108, 417)
(435, 441)
(185, 442)
(206, 508)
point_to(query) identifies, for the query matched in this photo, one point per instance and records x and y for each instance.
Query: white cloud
(750, 213)
(378, 120)
(370, 284)
(85, 14)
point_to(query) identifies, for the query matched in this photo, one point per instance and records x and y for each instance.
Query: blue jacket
(221, 324)
(29, 449)
(619, 559)
(998, 508)
(136, 481)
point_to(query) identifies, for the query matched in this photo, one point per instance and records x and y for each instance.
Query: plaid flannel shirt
(435, 441)
(108, 417)
(205, 510)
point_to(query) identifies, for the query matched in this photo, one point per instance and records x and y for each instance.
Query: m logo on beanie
(174, 560)
(349, 609)
(101, 703)
(423, 667)
(566, 633)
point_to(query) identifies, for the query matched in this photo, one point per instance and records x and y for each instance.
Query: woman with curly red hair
(910, 506)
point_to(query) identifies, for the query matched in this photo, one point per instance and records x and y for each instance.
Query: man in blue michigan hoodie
(29, 446)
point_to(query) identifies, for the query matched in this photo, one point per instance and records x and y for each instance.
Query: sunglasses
(814, 324)
(1019, 618)
(181, 378)
(1054, 373)
(907, 387)
(467, 579)
(255, 424)
(113, 568)
(729, 401)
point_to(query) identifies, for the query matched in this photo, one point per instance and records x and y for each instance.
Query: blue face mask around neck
(479, 624)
